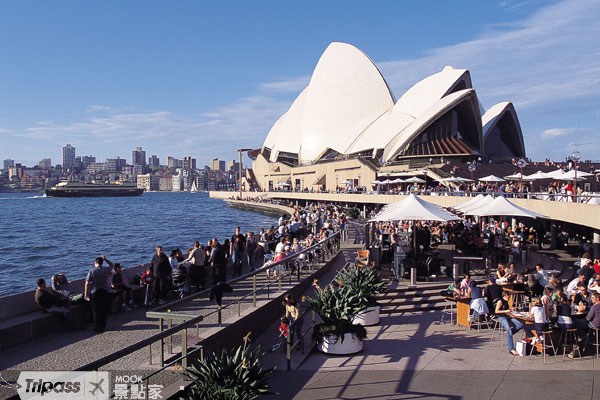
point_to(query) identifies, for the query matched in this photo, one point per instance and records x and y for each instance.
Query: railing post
(184, 348)
(254, 290)
(239, 303)
(219, 316)
(170, 339)
(289, 346)
(150, 354)
(279, 278)
(162, 345)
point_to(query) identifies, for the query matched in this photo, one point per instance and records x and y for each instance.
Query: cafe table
(462, 310)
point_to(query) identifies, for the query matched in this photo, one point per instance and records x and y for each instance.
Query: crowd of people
(201, 267)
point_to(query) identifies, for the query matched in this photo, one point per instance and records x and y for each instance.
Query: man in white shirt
(541, 275)
(572, 286)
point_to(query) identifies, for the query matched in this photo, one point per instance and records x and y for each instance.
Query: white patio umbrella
(469, 203)
(517, 177)
(556, 174)
(491, 178)
(413, 208)
(414, 179)
(570, 175)
(538, 175)
(398, 180)
(481, 203)
(503, 207)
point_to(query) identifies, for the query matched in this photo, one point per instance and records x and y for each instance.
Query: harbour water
(41, 236)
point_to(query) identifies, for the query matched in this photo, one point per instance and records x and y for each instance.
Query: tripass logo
(63, 385)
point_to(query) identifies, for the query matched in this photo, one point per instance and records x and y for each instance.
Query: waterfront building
(68, 157)
(173, 163)
(94, 168)
(347, 126)
(148, 182)
(165, 183)
(87, 160)
(177, 185)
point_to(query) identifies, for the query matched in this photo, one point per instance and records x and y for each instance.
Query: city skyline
(188, 82)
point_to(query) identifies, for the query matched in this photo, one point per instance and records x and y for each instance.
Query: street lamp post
(575, 156)
(471, 167)
(521, 164)
(240, 170)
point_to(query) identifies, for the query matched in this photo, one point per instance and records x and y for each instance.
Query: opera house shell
(348, 111)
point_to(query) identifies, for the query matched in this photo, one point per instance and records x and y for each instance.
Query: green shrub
(365, 282)
(229, 375)
(337, 308)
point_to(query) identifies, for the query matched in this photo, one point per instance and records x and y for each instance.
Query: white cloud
(97, 108)
(562, 132)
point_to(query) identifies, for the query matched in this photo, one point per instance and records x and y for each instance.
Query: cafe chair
(596, 343)
(497, 329)
(568, 339)
(545, 344)
(449, 309)
(479, 321)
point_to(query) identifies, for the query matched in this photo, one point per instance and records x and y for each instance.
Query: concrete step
(402, 302)
(412, 308)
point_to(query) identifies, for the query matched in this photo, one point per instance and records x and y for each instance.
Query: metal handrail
(188, 320)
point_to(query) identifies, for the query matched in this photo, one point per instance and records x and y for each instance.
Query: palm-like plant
(229, 375)
(337, 308)
(365, 282)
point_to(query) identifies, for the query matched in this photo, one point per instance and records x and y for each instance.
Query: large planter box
(334, 345)
(368, 317)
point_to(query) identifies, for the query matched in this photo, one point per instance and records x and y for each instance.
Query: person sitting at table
(541, 275)
(534, 286)
(572, 286)
(547, 301)
(493, 292)
(592, 319)
(510, 324)
(594, 284)
(453, 290)
(540, 322)
(582, 298)
(587, 270)
(563, 311)
(501, 271)
(478, 304)
(465, 285)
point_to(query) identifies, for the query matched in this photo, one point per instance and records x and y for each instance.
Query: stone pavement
(414, 356)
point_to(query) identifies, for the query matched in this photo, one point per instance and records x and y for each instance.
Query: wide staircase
(401, 299)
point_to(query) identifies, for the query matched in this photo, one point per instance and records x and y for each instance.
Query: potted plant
(337, 307)
(366, 283)
(229, 375)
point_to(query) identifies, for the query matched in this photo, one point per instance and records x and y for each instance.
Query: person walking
(251, 247)
(237, 247)
(96, 291)
(162, 273)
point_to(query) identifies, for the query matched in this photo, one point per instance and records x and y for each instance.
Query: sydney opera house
(347, 126)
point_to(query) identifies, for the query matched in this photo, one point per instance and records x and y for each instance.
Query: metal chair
(545, 344)
(362, 259)
(568, 337)
(596, 342)
(449, 309)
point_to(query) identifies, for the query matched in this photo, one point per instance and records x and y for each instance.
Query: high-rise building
(189, 163)
(217, 165)
(233, 166)
(172, 162)
(114, 164)
(68, 157)
(8, 163)
(138, 157)
(45, 163)
(153, 162)
(87, 160)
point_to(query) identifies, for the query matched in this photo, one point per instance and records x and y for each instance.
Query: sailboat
(194, 188)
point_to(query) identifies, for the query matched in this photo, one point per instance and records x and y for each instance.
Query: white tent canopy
(555, 174)
(491, 178)
(502, 207)
(413, 208)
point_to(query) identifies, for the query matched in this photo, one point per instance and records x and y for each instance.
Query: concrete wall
(575, 213)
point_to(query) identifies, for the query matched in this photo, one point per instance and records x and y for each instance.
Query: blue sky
(203, 78)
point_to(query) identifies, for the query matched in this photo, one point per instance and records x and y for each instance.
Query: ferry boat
(79, 189)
